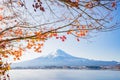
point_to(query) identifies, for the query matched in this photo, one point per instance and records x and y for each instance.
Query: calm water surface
(64, 75)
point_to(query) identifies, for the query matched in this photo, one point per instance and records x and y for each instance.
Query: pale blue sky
(103, 46)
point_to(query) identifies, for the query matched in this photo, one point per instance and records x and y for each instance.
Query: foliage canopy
(34, 21)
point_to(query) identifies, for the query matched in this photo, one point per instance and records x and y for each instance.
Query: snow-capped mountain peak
(58, 53)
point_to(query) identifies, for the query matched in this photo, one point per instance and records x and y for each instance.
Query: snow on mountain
(61, 58)
(58, 53)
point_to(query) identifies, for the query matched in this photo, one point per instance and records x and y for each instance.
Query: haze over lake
(44, 74)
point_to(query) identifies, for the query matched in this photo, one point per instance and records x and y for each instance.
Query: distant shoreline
(117, 67)
(66, 68)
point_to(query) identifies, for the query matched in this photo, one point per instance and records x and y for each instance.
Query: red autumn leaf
(57, 37)
(78, 39)
(64, 37)
(55, 34)
(1, 9)
(113, 4)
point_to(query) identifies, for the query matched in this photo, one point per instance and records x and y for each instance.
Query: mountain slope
(61, 58)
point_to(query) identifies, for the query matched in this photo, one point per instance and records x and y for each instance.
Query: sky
(102, 46)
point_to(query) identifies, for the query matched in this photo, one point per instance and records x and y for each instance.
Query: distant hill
(61, 58)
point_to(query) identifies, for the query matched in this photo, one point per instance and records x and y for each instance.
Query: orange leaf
(1, 17)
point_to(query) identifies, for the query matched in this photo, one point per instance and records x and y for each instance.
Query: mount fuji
(61, 58)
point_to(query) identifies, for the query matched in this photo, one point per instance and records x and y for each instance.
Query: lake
(39, 74)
